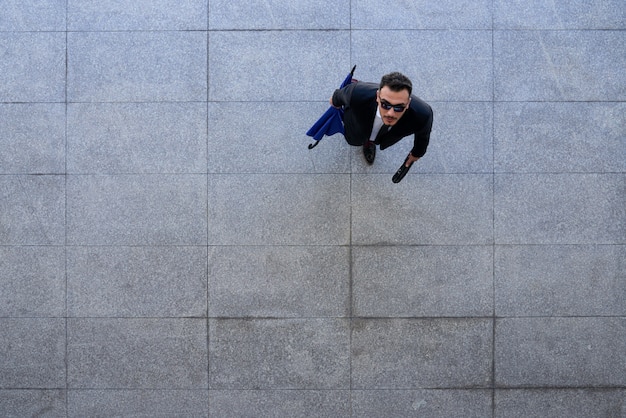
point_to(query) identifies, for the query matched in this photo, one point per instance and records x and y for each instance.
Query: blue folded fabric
(329, 124)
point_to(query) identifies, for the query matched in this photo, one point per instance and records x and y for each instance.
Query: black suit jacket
(359, 102)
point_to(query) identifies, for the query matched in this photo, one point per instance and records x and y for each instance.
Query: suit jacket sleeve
(422, 135)
(341, 97)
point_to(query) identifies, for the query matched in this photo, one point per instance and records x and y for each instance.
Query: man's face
(392, 104)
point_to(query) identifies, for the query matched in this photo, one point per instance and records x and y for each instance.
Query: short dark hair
(396, 82)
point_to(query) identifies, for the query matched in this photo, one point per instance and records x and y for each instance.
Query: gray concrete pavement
(170, 247)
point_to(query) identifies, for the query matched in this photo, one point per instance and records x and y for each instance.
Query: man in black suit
(382, 114)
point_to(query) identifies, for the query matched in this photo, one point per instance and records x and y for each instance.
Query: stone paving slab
(279, 354)
(560, 208)
(558, 66)
(277, 66)
(33, 138)
(283, 403)
(32, 67)
(560, 352)
(279, 14)
(560, 280)
(32, 281)
(120, 138)
(560, 403)
(421, 353)
(136, 281)
(136, 210)
(422, 281)
(33, 402)
(422, 14)
(279, 281)
(559, 137)
(32, 210)
(136, 66)
(279, 209)
(33, 353)
(149, 15)
(423, 403)
(44, 15)
(559, 14)
(141, 353)
(187, 403)
(423, 216)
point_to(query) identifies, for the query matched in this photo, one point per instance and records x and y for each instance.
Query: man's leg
(369, 151)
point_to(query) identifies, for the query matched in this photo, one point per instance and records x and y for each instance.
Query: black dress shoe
(401, 171)
(369, 151)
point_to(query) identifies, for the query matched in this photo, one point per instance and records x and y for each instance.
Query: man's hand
(404, 168)
(410, 160)
(332, 104)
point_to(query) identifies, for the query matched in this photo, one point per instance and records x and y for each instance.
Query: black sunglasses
(396, 108)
